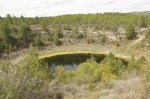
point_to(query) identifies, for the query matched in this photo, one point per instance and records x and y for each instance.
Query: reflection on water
(66, 66)
(71, 61)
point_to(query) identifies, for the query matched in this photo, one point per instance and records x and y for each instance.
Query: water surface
(71, 61)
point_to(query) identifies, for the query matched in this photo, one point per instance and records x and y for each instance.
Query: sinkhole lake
(71, 61)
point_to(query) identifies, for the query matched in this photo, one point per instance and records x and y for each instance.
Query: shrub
(79, 36)
(102, 39)
(90, 40)
(57, 95)
(59, 74)
(130, 32)
(91, 71)
(117, 43)
(56, 40)
(147, 34)
(136, 65)
(38, 42)
(67, 27)
(84, 73)
(26, 79)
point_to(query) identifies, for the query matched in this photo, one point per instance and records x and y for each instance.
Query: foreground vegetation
(30, 77)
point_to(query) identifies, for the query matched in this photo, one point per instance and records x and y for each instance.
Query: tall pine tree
(130, 32)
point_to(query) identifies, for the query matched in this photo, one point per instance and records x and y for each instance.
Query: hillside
(144, 12)
(25, 42)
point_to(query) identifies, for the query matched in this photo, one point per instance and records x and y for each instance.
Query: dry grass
(94, 49)
(131, 87)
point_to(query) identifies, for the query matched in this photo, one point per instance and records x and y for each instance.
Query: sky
(41, 8)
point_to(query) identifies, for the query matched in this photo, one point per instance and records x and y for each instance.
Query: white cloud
(32, 8)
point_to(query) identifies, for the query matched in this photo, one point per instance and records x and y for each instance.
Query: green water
(71, 61)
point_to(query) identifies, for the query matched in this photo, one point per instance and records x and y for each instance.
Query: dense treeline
(18, 32)
(106, 19)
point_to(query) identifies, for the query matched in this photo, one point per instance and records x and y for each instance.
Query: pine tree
(147, 34)
(5, 32)
(22, 19)
(141, 21)
(24, 32)
(59, 33)
(9, 19)
(36, 20)
(1, 18)
(130, 32)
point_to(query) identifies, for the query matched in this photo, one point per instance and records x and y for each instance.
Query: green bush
(27, 79)
(130, 32)
(84, 73)
(79, 36)
(38, 42)
(59, 73)
(67, 27)
(117, 43)
(56, 40)
(102, 39)
(90, 40)
(92, 72)
(147, 34)
(136, 65)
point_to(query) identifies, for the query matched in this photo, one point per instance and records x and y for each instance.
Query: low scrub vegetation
(27, 79)
(30, 78)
